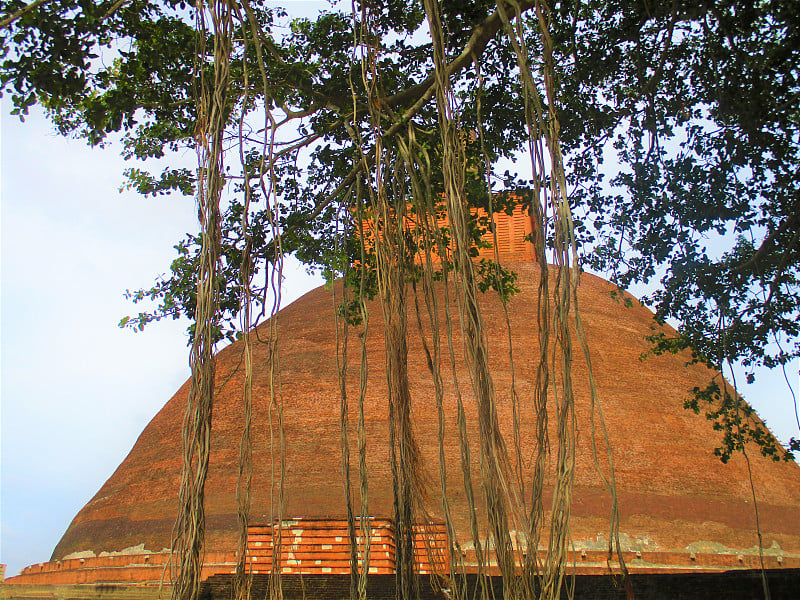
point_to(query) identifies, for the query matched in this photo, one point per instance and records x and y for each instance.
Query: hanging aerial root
(189, 530)
(242, 575)
(494, 462)
(342, 328)
(366, 529)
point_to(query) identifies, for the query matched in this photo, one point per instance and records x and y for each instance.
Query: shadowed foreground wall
(731, 585)
(736, 585)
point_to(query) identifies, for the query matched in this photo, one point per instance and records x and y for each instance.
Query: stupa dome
(674, 493)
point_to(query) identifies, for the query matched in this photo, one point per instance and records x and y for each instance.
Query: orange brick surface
(674, 493)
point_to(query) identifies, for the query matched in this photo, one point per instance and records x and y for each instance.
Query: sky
(75, 389)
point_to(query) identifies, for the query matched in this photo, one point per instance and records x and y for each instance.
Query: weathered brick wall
(118, 569)
(594, 561)
(729, 585)
(84, 592)
(323, 546)
(672, 490)
(319, 546)
(308, 546)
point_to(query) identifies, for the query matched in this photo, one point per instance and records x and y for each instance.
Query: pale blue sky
(76, 389)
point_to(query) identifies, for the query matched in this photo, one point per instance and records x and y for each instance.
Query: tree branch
(36, 3)
(478, 40)
(25, 9)
(793, 222)
(475, 46)
(425, 90)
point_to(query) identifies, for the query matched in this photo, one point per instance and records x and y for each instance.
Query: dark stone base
(784, 584)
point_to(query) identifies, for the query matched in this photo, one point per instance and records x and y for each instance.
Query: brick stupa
(681, 507)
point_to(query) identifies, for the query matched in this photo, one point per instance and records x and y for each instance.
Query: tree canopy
(678, 123)
(679, 126)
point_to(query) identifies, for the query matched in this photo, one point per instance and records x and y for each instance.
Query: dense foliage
(680, 127)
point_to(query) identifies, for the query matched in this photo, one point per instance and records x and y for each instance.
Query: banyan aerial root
(393, 174)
